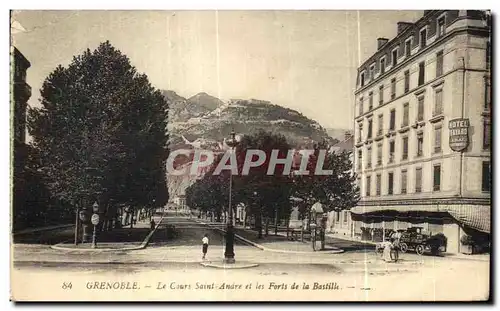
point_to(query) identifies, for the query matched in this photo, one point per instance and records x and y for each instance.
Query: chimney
(402, 26)
(347, 135)
(381, 42)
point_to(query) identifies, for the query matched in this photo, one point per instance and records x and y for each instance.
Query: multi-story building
(422, 129)
(339, 222)
(20, 94)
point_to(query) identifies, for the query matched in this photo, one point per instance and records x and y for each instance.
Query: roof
(345, 145)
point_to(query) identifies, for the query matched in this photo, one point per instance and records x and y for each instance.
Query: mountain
(203, 121)
(338, 133)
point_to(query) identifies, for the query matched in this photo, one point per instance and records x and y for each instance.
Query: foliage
(101, 132)
(337, 191)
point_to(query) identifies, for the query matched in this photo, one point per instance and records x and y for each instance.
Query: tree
(337, 191)
(101, 133)
(267, 196)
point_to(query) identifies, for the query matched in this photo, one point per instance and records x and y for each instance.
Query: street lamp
(229, 251)
(95, 222)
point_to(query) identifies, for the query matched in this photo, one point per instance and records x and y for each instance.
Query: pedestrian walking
(205, 245)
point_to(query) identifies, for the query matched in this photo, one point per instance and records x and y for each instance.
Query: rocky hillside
(203, 121)
(208, 119)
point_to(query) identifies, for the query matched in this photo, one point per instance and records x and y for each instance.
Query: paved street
(176, 258)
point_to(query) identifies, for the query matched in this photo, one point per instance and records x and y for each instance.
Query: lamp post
(95, 222)
(229, 251)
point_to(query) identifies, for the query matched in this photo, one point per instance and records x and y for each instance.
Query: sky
(303, 60)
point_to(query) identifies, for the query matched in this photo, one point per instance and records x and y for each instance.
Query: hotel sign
(459, 134)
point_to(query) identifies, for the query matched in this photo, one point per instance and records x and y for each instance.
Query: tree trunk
(258, 222)
(267, 225)
(77, 220)
(276, 222)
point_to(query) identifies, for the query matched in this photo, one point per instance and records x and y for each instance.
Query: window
(393, 88)
(441, 26)
(486, 134)
(406, 114)
(488, 55)
(382, 65)
(360, 158)
(392, 149)
(370, 101)
(437, 139)
(390, 189)
(337, 216)
(421, 73)
(381, 95)
(362, 79)
(486, 182)
(394, 57)
(420, 144)
(359, 184)
(361, 106)
(487, 94)
(372, 72)
(439, 64)
(408, 48)
(437, 178)
(420, 107)
(404, 178)
(418, 180)
(407, 81)
(380, 125)
(379, 184)
(368, 185)
(360, 132)
(405, 148)
(392, 122)
(438, 102)
(379, 154)
(370, 125)
(369, 160)
(346, 216)
(423, 38)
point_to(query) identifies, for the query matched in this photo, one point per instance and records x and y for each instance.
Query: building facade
(339, 222)
(20, 94)
(422, 129)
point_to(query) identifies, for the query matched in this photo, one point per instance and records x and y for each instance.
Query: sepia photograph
(250, 155)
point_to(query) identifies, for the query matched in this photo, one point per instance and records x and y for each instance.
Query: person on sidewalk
(205, 245)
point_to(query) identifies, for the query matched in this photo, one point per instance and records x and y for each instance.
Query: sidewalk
(123, 239)
(273, 243)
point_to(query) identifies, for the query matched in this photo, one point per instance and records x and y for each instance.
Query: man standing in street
(205, 245)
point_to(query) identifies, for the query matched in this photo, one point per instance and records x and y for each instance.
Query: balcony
(391, 157)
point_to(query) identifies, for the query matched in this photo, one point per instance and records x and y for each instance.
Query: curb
(42, 229)
(143, 245)
(261, 247)
(229, 266)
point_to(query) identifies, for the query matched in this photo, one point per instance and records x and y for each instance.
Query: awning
(404, 209)
(477, 217)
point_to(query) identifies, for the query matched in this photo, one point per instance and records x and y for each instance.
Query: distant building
(20, 94)
(340, 223)
(415, 167)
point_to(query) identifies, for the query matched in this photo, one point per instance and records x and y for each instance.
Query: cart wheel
(403, 247)
(419, 249)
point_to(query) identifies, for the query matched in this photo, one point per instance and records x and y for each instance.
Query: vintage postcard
(264, 155)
